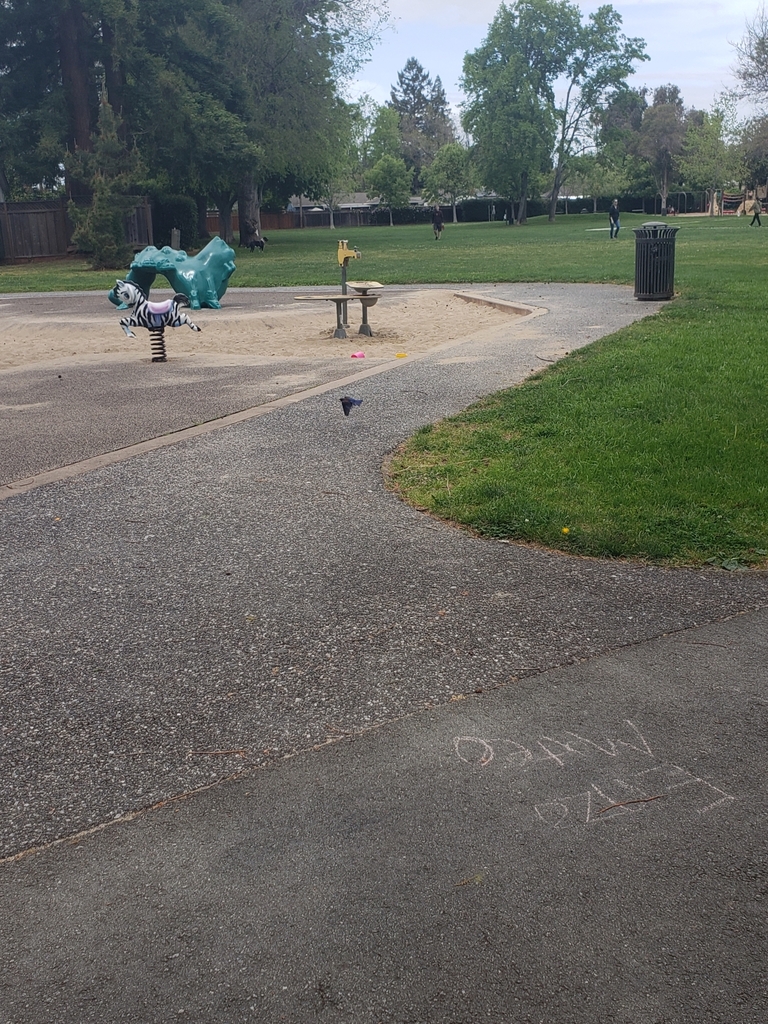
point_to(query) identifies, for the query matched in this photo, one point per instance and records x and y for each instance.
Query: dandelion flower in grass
(566, 530)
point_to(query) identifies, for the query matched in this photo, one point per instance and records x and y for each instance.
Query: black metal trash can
(655, 260)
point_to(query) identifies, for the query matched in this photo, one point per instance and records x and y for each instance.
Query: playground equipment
(201, 279)
(153, 316)
(733, 202)
(362, 288)
(344, 255)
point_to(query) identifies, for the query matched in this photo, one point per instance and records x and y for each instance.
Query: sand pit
(410, 322)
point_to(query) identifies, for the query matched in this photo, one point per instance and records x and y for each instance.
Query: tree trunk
(522, 210)
(249, 209)
(202, 217)
(74, 74)
(391, 222)
(711, 193)
(224, 202)
(114, 79)
(455, 218)
(331, 224)
(553, 201)
(594, 204)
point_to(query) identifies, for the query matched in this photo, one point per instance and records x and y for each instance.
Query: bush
(477, 209)
(99, 229)
(483, 209)
(170, 211)
(403, 215)
(107, 172)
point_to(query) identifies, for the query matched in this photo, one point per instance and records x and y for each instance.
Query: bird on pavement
(348, 403)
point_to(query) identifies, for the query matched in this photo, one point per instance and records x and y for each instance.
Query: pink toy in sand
(357, 355)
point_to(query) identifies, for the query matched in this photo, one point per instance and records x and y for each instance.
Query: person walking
(437, 222)
(613, 216)
(755, 211)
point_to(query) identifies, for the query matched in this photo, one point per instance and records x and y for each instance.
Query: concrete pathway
(431, 741)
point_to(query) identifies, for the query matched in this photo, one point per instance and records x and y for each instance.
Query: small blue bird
(348, 403)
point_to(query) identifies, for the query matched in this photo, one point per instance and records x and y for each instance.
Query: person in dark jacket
(437, 222)
(613, 215)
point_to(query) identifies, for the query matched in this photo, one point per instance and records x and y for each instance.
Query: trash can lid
(656, 229)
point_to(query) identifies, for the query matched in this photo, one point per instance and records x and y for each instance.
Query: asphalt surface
(277, 747)
(115, 402)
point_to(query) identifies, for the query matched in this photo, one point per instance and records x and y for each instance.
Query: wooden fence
(138, 225)
(34, 230)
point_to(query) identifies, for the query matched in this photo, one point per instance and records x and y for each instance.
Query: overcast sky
(690, 42)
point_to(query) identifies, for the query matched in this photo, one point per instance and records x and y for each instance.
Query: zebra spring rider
(154, 316)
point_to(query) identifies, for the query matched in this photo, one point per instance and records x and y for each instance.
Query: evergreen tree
(108, 170)
(225, 95)
(424, 118)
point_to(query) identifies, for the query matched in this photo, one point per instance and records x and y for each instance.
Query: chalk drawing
(644, 782)
(478, 751)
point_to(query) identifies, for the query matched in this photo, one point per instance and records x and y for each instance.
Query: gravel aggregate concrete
(111, 405)
(252, 611)
(587, 845)
(59, 412)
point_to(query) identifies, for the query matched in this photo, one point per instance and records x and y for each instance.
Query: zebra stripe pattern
(152, 316)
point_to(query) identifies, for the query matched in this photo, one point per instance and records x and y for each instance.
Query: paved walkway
(467, 781)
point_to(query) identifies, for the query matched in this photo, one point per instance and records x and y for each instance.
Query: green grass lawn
(650, 444)
(466, 253)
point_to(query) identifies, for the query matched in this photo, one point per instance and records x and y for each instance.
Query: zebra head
(127, 292)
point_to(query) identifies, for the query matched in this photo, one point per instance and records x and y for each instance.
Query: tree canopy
(535, 86)
(424, 119)
(219, 96)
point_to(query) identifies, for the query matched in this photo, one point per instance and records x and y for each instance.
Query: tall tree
(754, 150)
(619, 169)
(424, 117)
(35, 121)
(385, 138)
(389, 179)
(109, 169)
(338, 177)
(293, 53)
(508, 80)
(599, 60)
(450, 176)
(752, 57)
(661, 135)
(544, 74)
(221, 95)
(710, 157)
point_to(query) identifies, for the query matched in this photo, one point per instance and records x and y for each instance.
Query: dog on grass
(256, 243)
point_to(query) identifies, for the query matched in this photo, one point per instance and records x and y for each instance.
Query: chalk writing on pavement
(614, 779)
